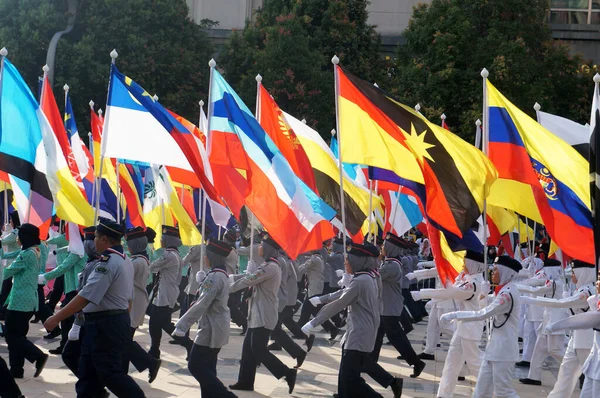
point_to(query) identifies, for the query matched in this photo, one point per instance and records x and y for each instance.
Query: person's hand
(416, 295)
(315, 301)
(550, 329)
(339, 272)
(448, 317)
(308, 328)
(41, 280)
(411, 276)
(178, 333)
(51, 323)
(74, 332)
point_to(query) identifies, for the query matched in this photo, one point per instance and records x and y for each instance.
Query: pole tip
(335, 60)
(155, 97)
(66, 87)
(258, 78)
(201, 103)
(597, 78)
(303, 121)
(4, 52)
(91, 103)
(376, 85)
(478, 123)
(537, 107)
(46, 68)
(418, 107)
(333, 132)
(485, 73)
(443, 116)
(100, 112)
(89, 134)
(212, 63)
(114, 54)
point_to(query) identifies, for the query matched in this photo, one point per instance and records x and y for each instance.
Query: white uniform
(534, 316)
(466, 292)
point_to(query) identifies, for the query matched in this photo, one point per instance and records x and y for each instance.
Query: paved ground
(317, 378)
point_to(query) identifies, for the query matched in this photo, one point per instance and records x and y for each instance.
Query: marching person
(262, 319)
(468, 292)
(169, 266)
(361, 299)
(193, 259)
(23, 302)
(534, 314)
(105, 300)
(212, 312)
(9, 244)
(502, 351)
(235, 299)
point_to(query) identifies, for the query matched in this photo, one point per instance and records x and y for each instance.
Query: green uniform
(24, 270)
(70, 267)
(60, 241)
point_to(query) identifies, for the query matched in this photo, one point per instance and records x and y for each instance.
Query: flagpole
(211, 64)
(335, 61)
(594, 162)
(537, 108)
(443, 117)
(3, 54)
(478, 134)
(118, 192)
(484, 149)
(397, 203)
(370, 208)
(375, 235)
(202, 193)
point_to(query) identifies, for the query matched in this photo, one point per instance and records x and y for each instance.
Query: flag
(96, 126)
(81, 154)
(573, 133)
(594, 167)
(540, 176)
(378, 131)
(354, 171)
(133, 212)
(286, 206)
(404, 212)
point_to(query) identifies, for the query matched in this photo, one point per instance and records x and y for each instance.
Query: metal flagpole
(375, 235)
(202, 194)
(335, 61)
(369, 235)
(397, 203)
(118, 192)
(484, 147)
(3, 54)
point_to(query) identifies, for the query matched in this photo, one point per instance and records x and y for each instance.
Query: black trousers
(19, 348)
(309, 310)
(234, 303)
(284, 340)
(412, 307)
(137, 355)
(6, 287)
(406, 321)
(390, 326)
(182, 285)
(101, 362)
(56, 293)
(43, 311)
(8, 386)
(188, 299)
(254, 351)
(203, 366)
(160, 319)
(286, 317)
(72, 352)
(350, 382)
(65, 325)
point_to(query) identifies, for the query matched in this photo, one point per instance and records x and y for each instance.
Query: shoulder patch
(104, 258)
(101, 269)
(206, 285)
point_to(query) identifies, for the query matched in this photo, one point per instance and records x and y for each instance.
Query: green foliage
(448, 43)
(291, 44)
(159, 47)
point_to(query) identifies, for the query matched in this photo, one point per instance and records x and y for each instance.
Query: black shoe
(333, 334)
(397, 387)
(39, 364)
(521, 351)
(400, 357)
(408, 330)
(523, 364)
(154, 353)
(310, 341)
(154, 371)
(581, 381)
(17, 374)
(428, 357)
(35, 320)
(53, 334)
(239, 387)
(291, 380)
(300, 359)
(56, 351)
(531, 382)
(461, 378)
(417, 369)
(274, 347)
(520, 339)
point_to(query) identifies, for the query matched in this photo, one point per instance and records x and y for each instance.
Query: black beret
(509, 262)
(134, 233)
(150, 234)
(219, 247)
(395, 240)
(340, 241)
(266, 238)
(367, 250)
(550, 262)
(170, 231)
(110, 228)
(582, 264)
(89, 233)
(475, 256)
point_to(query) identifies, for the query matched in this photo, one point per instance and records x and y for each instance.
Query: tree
(159, 47)
(291, 43)
(448, 42)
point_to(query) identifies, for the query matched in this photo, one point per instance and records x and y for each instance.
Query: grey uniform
(407, 267)
(336, 262)
(363, 312)
(169, 265)
(193, 258)
(212, 311)
(231, 262)
(291, 284)
(110, 284)
(264, 304)
(141, 272)
(391, 279)
(282, 295)
(314, 270)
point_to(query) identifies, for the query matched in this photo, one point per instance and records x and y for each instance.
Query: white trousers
(495, 380)
(529, 339)
(460, 350)
(434, 329)
(547, 345)
(522, 320)
(569, 372)
(591, 388)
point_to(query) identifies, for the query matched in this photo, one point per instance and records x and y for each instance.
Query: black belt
(90, 316)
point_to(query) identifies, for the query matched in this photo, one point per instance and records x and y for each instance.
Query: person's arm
(423, 274)
(308, 264)
(10, 255)
(76, 305)
(192, 256)
(450, 293)
(348, 296)
(538, 291)
(576, 301)
(59, 241)
(208, 292)
(18, 266)
(499, 306)
(389, 270)
(248, 280)
(66, 265)
(327, 298)
(586, 320)
(160, 263)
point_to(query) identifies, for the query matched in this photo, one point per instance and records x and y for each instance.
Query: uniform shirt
(231, 262)
(82, 280)
(212, 311)
(391, 280)
(24, 271)
(336, 262)
(183, 251)
(141, 270)
(60, 241)
(193, 259)
(263, 304)
(360, 297)
(169, 266)
(110, 285)
(314, 269)
(286, 276)
(291, 284)
(406, 268)
(72, 265)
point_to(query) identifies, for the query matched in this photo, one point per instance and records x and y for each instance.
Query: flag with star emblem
(451, 176)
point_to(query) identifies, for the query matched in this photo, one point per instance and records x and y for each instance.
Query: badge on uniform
(348, 248)
(104, 258)
(101, 269)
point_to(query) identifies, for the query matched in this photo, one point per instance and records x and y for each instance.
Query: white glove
(339, 272)
(41, 280)
(416, 295)
(345, 281)
(308, 328)
(315, 301)
(549, 329)
(74, 332)
(485, 287)
(231, 279)
(178, 333)
(593, 302)
(200, 275)
(411, 276)
(429, 305)
(448, 317)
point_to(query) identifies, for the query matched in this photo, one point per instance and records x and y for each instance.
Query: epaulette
(104, 258)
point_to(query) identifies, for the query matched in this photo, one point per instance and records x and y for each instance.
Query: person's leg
(137, 356)
(260, 339)
(473, 355)
(15, 335)
(351, 383)
(484, 387)
(503, 375)
(155, 328)
(71, 354)
(376, 372)
(378, 341)
(248, 363)
(306, 312)
(397, 337)
(88, 383)
(587, 391)
(288, 321)
(57, 292)
(540, 353)
(452, 367)
(569, 371)
(529, 340)
(556, 346)
(433, 332)
(65, 325)
(8, 386)
(202, 360)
